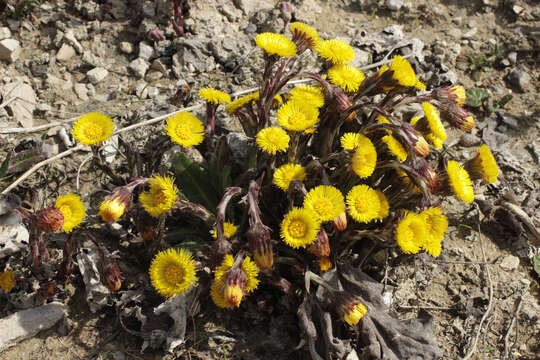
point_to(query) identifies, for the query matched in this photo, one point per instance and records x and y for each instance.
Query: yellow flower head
(93, 128)
(297, 115)
(248, 267)
(228, 295)
(437, 142)
(384, 209)
(301, 30)
(410, 233)
(214, 96)
(217, 293)
(239, 103)
(346, 77)
(335, 51)
(325, 201)
(312, 95)
(460, 181)
(459, 94)
(364, 158)
(486, 162)
(185, 129)
(72, 207)
(111, 209)
(407, 181)
(229, 230)
(355, 314)
(350, 140)
(273, 139)
(395, 147)
(285, 174)
(300, 227)
(363, 203)
(436, 224)
(434, 121)
(276, 44)
(7, 280)
(173, 272)
(324, 263)
(161, 197)
(403, 72)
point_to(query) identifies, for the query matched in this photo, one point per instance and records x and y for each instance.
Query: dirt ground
(484, 44)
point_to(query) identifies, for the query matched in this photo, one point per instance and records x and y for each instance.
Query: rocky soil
(60, 59)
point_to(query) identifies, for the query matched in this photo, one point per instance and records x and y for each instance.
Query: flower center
(297, 229)
(361, 205)
(66, 211)
(273, 138)
(160, 197)
(323, 206)
(92, 131)
(297, 118)
(174, 274)
(183, 131)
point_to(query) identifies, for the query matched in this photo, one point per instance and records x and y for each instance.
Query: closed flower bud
(340, 222)
(147, 226)
(50, 219)
(235, 286)
(111, 276)
(115, 204)
(453, 94)
(321, 246)
(413, 139)
(324, 263)
(260, 245)
(350, 309)
(428, 174)
(457, 117)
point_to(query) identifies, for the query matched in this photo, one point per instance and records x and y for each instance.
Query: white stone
(10, 50)
(12, 240)
(5, 33)
(24, 104)
(81, 91)
(394, 5)
(139, 67)
(126, 47)
(27, 323)
(72, 40)
(510, 263)
(146, 51)
(65, 53)
(97, 74)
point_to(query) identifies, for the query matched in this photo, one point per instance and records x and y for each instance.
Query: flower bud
(7, 280)
(324, 263)
(453, 94)
(428, 174)
(235, 286)
(457, 117)
(260, 245)
(111, 276)
(340, 222)
(50, 219)
(414, 139)
(350, 309)
(115, 204)
(321, 246)
(147, 226)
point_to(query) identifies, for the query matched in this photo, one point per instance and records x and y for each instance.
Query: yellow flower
(276, 44)
(214, 96)
(403, 72)
(350, 140)
(486, 164)
(221, 291)
(93, 128)
(460, 94)
(363, 203)
(300, 227)
(437, 143)
(436, 224)
(326, 201)
(273, 139)
(287, 173)
(420, 85)
(239, 103)
(434, 121)
(7, 280)
(355, 314)
(415, 119)
(217, 293)
(161, 197)
(185, 129)
(229, 230)
(459, 181)
(335, 51)
(346, 77)
(249, 267)
(407, 181)
(384, 208)
(299, 29)
(72, 207)
(395, 147)
(309, 94)
(173, 272)
(410, 233)
(111, 209)
(297, 115)
(365, 158)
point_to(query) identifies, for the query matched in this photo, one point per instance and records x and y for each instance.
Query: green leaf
(537, 263)
(504, 100)
(195, 182)
(475, 97)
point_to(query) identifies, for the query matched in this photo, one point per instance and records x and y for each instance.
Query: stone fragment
(5, 33)
(81, 91)
(65, 53)
(126, 47)
(394, 5)
(27, 323)
(146, 51)
(24, 104)
(139, 67)
(13, 239)
(510, 263)
(10, 50)
(469, 140)
(520, 78)
(97, 74)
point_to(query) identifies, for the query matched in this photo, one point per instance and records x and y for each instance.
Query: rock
(148, 9)
(27, 323)
(97, 74)
(139, 67)
(81, 91)
(153, 92)
(126, 47)
(512, 57)
(90, 59)
(10, 50)
(65, 53)
(240, 145)
(5, 33)
(69, 36)
(470, 34)
(8, 202)
(12, 240)
(57, 83)
(394, 5)
(361, 58)
(469, 140)
(24, 105)
(159, 66)
(535, 151)
(520, 78)
(146, 51)
(508, 120)
(510, 263)
(153, 75)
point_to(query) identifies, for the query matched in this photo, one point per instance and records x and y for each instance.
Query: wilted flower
(453, 94)
(350, 309)
(324, 263)
(321, 246)
(111, 276)
(50, 219)
(457, 117)
(260, 245)
(340, 222)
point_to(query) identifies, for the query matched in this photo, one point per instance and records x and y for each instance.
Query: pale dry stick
(416, 307)
(490, 302)
(507, 336)
(37, 128)
(5, 103)
(79, 170)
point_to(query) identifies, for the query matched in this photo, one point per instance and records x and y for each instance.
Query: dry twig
(507, 336)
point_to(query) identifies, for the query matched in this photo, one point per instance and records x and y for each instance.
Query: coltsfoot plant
(328, 168)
